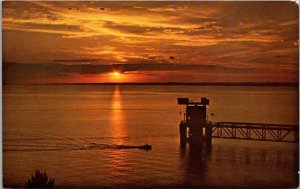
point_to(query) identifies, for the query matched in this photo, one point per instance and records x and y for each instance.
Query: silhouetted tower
(194, 128)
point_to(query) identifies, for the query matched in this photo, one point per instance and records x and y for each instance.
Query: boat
(146, 147)
(143, 147)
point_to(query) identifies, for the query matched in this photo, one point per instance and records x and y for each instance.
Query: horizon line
(173, 83)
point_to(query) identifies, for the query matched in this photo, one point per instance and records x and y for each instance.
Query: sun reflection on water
(117, 117)
(118, 130)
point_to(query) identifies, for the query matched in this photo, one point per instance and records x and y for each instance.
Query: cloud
(92, 21)
(28, 71)
(76, 60)
(50, 68)
(20, 73)
(169, 9)
(235, 36)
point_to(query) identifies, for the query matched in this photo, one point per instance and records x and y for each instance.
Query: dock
(255, 131)
(196, 129)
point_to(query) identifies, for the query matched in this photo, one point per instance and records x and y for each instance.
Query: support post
(183, 132)
(208, 133)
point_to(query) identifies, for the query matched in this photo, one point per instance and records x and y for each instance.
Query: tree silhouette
(40, 180)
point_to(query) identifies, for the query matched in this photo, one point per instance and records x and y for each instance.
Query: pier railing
(255, 131)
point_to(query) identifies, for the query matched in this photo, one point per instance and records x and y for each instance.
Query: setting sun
(116, 74)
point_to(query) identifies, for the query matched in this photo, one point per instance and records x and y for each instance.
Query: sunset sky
(98, 42)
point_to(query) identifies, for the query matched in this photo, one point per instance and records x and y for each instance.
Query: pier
(255, 131)
(196, 129)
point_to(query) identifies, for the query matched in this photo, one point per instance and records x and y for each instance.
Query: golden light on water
(117, 118)
(117, 129)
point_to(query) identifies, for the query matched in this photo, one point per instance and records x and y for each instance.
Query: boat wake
(32, 142)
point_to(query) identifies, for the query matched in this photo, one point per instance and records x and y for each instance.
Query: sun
(116, 74)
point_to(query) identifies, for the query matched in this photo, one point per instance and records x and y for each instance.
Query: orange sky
(65, 42)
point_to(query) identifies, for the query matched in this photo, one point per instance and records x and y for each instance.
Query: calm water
(70, 131)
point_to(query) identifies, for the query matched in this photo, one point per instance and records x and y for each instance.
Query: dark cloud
(12, 71)
(47, 27)
(143, 30)
(51, 68)
(76, 60)
(177, 67)
(129, 28)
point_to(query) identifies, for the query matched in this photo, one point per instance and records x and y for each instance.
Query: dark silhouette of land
(289, 84)
(40, 180)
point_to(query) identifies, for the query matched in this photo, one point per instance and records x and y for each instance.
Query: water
(71, 132)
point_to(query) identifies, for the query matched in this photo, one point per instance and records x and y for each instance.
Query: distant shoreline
(281, 84)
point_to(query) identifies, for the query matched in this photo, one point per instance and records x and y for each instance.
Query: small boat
(143, 147)
(146, 147)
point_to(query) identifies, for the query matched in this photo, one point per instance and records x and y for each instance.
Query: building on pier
(196, 129)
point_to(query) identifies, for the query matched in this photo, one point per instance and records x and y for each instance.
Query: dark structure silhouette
(255, 131)
(196, 129)
(193, 128)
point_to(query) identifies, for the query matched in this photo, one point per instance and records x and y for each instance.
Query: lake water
(70, 131)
